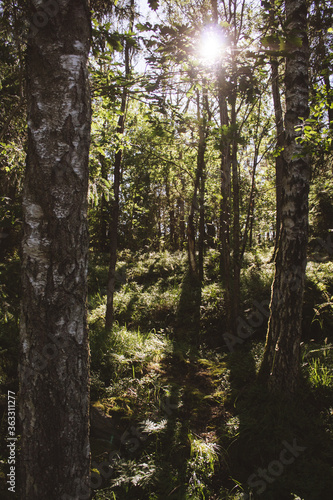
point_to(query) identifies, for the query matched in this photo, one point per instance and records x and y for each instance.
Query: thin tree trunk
(190, 221)
(104, 212)
(54, 358)
(111, 286)
(194, 203)
(191, 243)
(280, 365)
(172, 232)
(279, 161)
(279, 125)
(109, 314)
(181, 204)
(201, 242)
(225, 206)
(329, 100)
(224, 237)
(249, 217)
(236, 224)
(172, 229)
(251, 224)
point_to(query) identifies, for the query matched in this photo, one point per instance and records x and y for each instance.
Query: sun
(211, 46)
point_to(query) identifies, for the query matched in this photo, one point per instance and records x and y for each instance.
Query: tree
(198, 187)
(280, 365)
(116, 185)
(279, 125)
(54, 365)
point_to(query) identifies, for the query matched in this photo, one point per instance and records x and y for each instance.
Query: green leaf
(270, 41)
(153, 4)
(296, 40)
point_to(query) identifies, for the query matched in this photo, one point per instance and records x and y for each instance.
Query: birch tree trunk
(54, 358)
(280, 366)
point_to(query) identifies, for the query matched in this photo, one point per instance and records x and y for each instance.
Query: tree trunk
(171, 212)
(236, 223)
(181, 209)
(201, 242)
(279, 161)
(226, 270)
(224, 237)
(280, 365)
(191, 243)
(250, 210)
(104, 211)
(329, 100)
(54, 357)
(111, 286)
(194, 203)
(279, 125)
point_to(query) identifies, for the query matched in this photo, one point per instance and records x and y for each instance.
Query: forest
(166, 250)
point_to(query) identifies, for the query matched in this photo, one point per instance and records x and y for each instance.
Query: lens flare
(211, 46)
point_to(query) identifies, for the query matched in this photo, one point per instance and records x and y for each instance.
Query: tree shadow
(281, 448)
(187, 326)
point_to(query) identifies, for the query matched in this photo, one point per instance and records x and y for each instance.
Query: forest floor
(176, 411)
(187, 417)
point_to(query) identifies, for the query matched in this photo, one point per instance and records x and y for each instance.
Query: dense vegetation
(187, 418)
(184, 217)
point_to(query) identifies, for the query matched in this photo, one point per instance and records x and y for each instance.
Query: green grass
(207, 425)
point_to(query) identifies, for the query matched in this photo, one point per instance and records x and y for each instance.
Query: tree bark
(54, 357)
(280, 365)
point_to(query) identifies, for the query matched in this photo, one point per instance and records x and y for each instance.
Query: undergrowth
(191, 422)
(185, 418)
